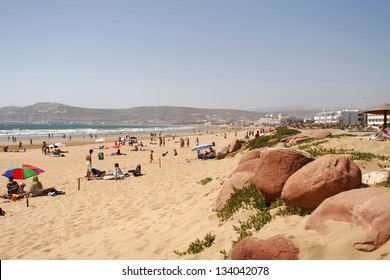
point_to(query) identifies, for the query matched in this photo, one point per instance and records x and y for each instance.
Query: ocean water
(39, 131)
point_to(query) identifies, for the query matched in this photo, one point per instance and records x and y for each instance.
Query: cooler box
(100, 156)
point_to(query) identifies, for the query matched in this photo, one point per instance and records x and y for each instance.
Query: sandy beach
(151, 216)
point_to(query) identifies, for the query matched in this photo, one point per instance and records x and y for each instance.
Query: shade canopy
(383, 109)
(22, 171)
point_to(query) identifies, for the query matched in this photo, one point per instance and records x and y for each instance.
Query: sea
(20, 131)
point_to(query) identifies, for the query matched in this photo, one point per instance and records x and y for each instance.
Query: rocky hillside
(55, 112)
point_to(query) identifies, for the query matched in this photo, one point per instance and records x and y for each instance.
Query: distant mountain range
(60, 113)
(47, 112)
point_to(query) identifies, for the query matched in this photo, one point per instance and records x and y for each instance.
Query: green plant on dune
(265, 141)
(205, 181)
(248, 197)
(293, 211)
(198, 246)
(253, 224)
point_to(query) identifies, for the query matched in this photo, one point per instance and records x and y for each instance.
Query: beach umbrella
(383, 109)
(202, 147)
(59, 145)
(116, 146)
(22, 171)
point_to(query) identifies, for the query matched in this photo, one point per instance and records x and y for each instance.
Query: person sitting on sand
(137, 171)
(135, 149)
(14, 188)
(117, 174)
(36, 189)
(210, 154)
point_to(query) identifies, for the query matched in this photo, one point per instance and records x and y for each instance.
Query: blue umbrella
(202, 147)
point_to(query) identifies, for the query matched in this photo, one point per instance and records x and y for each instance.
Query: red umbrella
(22, 171)
(116, 146)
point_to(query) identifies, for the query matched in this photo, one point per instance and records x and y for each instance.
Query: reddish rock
(250, 155)
(234, 146)
(320, 179)
(367, 207)
(274, 168)
(297, 140)
(222, 153)
(321, 134)
(250, 165)
(237, 181)
(297, 136)
(275, 248)
(377, 177)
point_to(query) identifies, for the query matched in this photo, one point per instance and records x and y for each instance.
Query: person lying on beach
(164, 154)
(118, 153)
(36, 189)
(56, 154)
(98, 173)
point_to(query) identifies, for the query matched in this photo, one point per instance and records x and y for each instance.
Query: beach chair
(381, 135)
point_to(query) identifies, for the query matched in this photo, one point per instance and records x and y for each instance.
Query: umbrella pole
(78, 184)
(27, 200)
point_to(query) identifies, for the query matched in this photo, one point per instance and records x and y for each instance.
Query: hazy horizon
(246, 55)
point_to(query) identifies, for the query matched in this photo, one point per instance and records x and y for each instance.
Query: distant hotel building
(375, 119)
(347, 117)
(344, 117)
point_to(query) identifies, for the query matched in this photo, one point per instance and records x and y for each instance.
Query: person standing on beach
(89, 164)
(151, 156)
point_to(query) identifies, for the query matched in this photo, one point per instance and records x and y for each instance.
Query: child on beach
(151, 156)
(89, 164)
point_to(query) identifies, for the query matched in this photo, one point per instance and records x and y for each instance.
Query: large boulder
(222, 152)
(320, 179)
(250, 165)
(252, 154)
(368, 207)
(275, 248)
(275, 167)
(377, 177)
(237, 181)
(234, 146)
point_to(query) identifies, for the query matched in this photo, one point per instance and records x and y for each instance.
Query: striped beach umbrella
(22, 171)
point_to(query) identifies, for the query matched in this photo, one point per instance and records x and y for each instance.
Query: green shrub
(205, 181)
(197, 246)
(264, 141)
(248, 197)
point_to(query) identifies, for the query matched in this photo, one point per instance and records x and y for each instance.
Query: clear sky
(240, 54)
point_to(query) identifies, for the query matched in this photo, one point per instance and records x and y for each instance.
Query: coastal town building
(344, 117)
(374, 119)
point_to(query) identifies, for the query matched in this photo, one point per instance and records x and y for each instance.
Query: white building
(344, 117)
(374, 119)
(273, 119)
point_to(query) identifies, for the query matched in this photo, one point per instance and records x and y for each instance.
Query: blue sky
(209, 54)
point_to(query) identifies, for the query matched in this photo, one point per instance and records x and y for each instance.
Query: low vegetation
(198, 246)
(205, 181)
(271, 140)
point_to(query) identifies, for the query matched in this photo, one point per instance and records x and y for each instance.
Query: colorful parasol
(22, 171)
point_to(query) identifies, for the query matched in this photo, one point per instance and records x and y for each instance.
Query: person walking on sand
(151, 156)
(89, 164)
